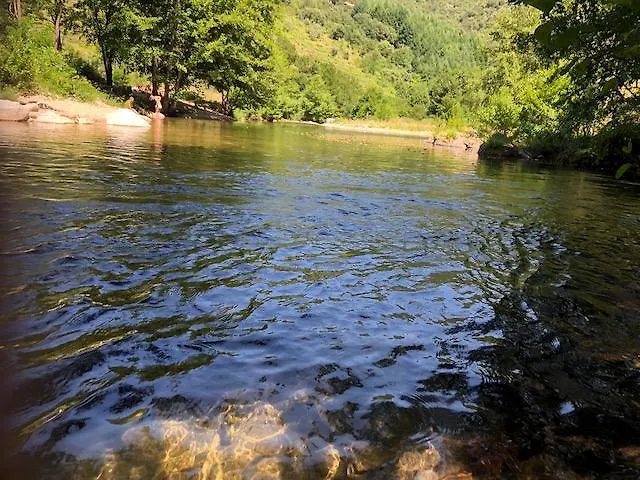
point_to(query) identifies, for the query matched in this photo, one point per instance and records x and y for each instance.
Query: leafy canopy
(598, 42)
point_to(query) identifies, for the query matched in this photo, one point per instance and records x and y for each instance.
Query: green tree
(523, 91)
(57, 11)
(164, 42)
(106, 22)
(222, 43)
(234, 51)
(598, 41)
(317, 102)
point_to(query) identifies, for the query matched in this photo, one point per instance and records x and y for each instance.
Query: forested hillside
(472, 15)
(310, 59)
(381, 59)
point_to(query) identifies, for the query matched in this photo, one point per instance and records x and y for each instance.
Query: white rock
(126, 118)
(49, 116)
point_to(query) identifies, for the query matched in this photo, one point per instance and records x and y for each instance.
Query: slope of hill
(379, 58)
(358, 59)
(472, 15)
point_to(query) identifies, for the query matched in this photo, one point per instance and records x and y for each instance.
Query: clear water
(269, 301)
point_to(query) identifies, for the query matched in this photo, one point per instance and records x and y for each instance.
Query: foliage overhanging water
(278, 301)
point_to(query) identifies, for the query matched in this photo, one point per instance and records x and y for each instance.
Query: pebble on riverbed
(253, 442)
(418, 465)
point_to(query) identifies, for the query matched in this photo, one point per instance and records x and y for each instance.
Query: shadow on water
(279, 302)
(558, 405)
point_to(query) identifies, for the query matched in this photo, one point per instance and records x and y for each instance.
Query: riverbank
(40, 109)
(432, 133)
(45, 109)
(610, 152)
(426, 130)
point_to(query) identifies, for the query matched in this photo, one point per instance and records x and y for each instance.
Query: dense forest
(560, 77)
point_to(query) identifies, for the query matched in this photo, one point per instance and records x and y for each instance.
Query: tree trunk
(107, 62)
(166, 104)
(15, 8)
(225, 102)
(57, 31)
(177, 86)
(165, 97)
(108, 72)
(154, 77)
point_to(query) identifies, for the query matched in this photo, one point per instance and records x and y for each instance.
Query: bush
(617, 144)
(30, 64)
(17, 66)
(318, 103)
(89, 69)
(375, 104)
(9, 93)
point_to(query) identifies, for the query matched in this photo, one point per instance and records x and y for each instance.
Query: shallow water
(269, 301)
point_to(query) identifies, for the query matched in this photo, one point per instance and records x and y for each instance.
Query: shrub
(89, 69)
(617, 144)
(318, 103)
(30, 64)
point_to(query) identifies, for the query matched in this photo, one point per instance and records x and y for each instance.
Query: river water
(270, 301)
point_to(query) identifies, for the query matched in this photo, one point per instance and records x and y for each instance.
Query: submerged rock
(420, 465)
(126, 118)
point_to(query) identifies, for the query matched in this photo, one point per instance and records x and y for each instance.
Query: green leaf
(544, 5)
(543, 33)
(622, 170)
(581, 68)
(565, 38)
(629, 52)
(568, 67)
(633, 4)
(628, 149)
(610, 85)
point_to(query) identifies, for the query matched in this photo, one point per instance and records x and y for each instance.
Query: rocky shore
(45, 110)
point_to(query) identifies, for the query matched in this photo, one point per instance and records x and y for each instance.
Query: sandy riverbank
(412, 129)
(42, 109)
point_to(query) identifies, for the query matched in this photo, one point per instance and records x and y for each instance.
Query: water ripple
(361, 292)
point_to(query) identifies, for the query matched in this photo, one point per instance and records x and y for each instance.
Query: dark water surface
(213, 301)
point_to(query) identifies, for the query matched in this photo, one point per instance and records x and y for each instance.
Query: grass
(9, 93)
(30, 65)
(79, 46)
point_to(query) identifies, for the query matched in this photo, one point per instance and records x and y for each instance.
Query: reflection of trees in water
(560, 386)
(557, 405)
(547, 394)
